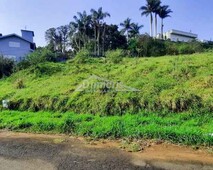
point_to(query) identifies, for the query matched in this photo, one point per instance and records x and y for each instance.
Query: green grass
(171, 84)
(185, 128)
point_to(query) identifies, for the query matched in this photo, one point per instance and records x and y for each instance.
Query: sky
(40, 15)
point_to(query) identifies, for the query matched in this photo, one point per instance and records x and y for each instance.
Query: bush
(157, 48)
(19, 84)
(6, 66)
(115, 56)
(24, 64)
(185, 48)
(45, 69)
(146, 46)
(41, 55)
(82, 56)
(171, 48)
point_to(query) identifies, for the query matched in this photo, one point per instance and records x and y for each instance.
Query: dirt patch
(65, 152)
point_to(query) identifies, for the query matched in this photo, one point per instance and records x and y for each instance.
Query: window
(32, 46)
(14, 44)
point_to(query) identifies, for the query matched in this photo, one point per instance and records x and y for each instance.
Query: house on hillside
(17, 47)
(176, 35)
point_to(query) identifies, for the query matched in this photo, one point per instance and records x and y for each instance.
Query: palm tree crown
(135, 29)
(149, 9)
(127, 25)
(98, 19)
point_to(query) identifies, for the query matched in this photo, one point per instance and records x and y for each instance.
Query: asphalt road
(48, 152)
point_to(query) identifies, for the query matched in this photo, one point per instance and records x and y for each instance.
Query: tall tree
(63, 32)
(81, 24)
(148, 10)
(164, 13)
(98, 20)
(84, 22)
(113, 38)
(54, 39)
(127, 26)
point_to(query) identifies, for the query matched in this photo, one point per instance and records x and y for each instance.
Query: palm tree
(148, 10)
(82, 22)
(98, 19)
(164, 13)
(127, 26)
(135, 29)
(156, 12)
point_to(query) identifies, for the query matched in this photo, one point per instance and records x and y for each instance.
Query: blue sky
(39, 15)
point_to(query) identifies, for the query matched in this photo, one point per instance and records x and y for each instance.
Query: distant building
(17, 47)
(176, 35)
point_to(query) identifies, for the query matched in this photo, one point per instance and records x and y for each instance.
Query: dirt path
(49, 152)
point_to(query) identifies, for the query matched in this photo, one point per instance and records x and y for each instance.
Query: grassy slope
(178, 83)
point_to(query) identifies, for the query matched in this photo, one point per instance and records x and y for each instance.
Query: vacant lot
(172, 83)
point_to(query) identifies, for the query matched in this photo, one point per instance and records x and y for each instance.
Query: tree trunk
(162, 29)
(156, 25)
(151, 25)
(95, 45)
(98, 39)
(103, 39)
(127, 35)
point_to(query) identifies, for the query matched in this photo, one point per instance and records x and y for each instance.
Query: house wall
(14, 47)
(174, 37)
(27, 35)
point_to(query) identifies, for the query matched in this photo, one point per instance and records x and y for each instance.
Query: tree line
(91, 32)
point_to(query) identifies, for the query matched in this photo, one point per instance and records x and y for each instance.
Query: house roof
(182, 33)
(14, 35)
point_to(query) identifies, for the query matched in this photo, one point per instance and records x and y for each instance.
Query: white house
(176, 35)
(17, 47)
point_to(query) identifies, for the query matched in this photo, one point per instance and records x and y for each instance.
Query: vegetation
(167, 98)
(167, 84)
(6, 67)
(90, 31)
(184, 128)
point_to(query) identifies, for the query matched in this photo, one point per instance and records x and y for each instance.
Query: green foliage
(6, 67)
(172, 83)
(145, 46)
(185, 49)
(19, 84)
(82, 56)
(115, 56)
(45, 69)
(41, 55)
(185, 128)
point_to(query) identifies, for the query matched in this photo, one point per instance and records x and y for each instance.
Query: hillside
(175, 84)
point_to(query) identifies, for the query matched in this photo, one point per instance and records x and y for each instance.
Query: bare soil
(20, 151)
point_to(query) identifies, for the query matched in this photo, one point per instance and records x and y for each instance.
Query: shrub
(171, 48)
(157, 48)
(6, 66)
(44, 69)
(185, 49)
(82, 56)
(115, 56)
(19, 84)
(146, 46)
(24, 64)
(144, 43)
(41, 55)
